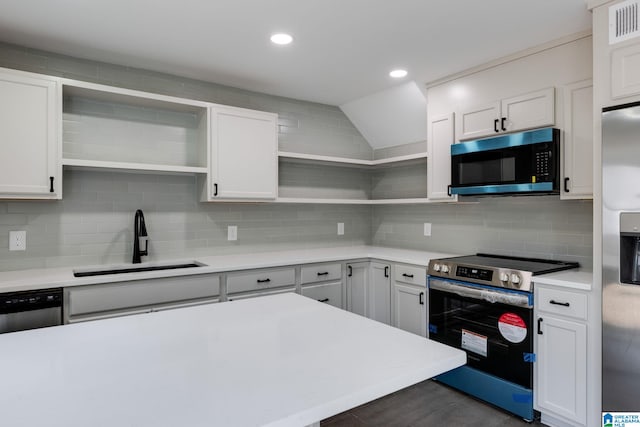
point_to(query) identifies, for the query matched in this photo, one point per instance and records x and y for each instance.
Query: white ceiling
(342, 50)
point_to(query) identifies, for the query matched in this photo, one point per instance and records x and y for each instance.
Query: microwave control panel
(543, 161)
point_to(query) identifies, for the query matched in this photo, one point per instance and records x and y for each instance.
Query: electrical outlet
(232, 232)
(427, 229)
(340, 228)
(18, 240)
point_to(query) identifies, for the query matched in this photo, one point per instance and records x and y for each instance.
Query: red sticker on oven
(512, 327)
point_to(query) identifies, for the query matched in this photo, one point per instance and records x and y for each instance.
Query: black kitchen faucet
(139, 235)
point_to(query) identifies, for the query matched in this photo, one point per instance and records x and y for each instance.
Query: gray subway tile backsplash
(93, 224)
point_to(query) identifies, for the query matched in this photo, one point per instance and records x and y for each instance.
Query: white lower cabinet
(560, 384)
(106, 300)
(410, 308)
(410, 299)
(357, 288)
(330, 293)
(369, 291)
(379, 299)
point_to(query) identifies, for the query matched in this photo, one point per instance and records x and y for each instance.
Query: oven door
(493, 326)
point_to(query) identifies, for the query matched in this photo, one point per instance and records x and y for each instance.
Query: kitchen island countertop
(281, 360)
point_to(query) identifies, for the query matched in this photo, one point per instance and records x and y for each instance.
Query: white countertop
(281, 360)
(20, 280)
(576, 279)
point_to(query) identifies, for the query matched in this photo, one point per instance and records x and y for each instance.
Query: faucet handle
(143, 241)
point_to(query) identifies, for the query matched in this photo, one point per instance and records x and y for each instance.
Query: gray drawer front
(140, 293)
(330, 293)
(260, 279)
(320, 272)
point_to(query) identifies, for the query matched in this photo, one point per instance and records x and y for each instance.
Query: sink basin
(133, 269)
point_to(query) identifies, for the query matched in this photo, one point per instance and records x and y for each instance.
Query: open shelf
(413, 201)
(115, 128)
(348, 161)
(125, 166)
(309, 178)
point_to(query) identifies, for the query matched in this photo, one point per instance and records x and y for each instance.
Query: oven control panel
(474, 273)
(493, 276)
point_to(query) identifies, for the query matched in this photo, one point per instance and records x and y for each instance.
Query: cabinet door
(380, 293)
(478, 122)
(440, 131)
(410, 309)
(625, 71)
(577, 152)
(562, 368)
(330, 293)
(528, 111)
(244, 154)
(357, 289)
(29, 128)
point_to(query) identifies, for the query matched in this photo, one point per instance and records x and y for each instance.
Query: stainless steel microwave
(519, 163)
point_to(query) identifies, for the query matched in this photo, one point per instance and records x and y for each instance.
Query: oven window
(495, 336)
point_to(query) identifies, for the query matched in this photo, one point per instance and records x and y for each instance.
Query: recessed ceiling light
(281, 38)
(398, 74)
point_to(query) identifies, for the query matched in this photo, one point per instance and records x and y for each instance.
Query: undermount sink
(133, 269)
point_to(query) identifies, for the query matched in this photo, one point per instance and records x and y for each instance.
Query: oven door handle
(478, 293)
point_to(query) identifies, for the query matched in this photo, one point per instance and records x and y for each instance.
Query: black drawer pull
(539, 326)
(495, 125)
(421, 298)
(386, 272)
(324, 300)
(504, 119)
(410, 276)
(323, 274)
(564, 304)
(264, 280)
(566, 184)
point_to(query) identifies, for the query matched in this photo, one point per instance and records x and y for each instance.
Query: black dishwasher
(24, 310)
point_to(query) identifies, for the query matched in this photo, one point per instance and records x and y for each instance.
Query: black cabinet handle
(350, 271)
(50, 184)
(566, 184)
(495, 125)
(502, 122)
(540, 326)
(410, 276)
(324, 300)
(323, 273)
(264, 280)
(564, 304)
(215, 189)
(386, 272)
(449, 190)
(421, 298)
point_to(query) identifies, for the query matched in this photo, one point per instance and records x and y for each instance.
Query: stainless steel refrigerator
(621, 259)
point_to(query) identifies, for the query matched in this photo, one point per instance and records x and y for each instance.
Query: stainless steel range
(483, 304)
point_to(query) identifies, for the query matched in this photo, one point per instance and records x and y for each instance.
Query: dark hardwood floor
(427, 404)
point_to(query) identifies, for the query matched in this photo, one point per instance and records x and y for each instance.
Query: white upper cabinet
(244, 154)
(577, 155)
(528, 111)
(29, 136)
(440, 131)
(478, 121)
